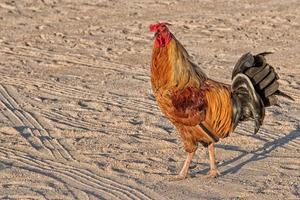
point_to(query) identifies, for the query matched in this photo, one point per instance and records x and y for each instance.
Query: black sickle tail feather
(247, 103)
(255, 86)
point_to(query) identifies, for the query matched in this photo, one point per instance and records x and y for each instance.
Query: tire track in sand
(78, 178)
(29, 127)
(67, 91)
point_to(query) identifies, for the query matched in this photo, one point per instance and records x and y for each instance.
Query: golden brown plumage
(203, 110)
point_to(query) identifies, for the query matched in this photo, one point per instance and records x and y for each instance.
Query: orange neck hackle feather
(171, 67)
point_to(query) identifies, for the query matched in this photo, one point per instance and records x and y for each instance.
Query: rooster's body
(204, 110)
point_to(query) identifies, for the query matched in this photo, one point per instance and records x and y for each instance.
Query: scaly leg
(185, 168)
(212, 161)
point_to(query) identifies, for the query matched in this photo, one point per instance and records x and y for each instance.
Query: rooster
(204, 110)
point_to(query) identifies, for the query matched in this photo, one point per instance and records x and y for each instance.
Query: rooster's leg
(185, 169)
(214, 172)
(186, 165)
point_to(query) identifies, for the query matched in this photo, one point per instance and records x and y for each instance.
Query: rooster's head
(162, 34)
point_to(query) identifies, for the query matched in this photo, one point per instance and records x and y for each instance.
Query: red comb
(154, 27)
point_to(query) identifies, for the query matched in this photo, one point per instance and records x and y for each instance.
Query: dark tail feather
(264, 82)
(262, 75)
(247, 103)
(280, 93)
(265, 53)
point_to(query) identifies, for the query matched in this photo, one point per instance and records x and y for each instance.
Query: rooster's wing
(187, 106)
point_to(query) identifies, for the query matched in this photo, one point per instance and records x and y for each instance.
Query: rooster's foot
(177, 178)
(214, 173)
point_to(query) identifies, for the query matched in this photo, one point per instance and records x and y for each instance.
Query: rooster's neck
(161, 68)
(172, 68)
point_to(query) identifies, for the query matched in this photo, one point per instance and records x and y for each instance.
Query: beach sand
(78, 119)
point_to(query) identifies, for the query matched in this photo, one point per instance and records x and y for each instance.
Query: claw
(177, 178)
(214, 173)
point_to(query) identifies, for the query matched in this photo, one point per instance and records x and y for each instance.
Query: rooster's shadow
(256, 155)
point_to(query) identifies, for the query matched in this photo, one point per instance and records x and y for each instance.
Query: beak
(156, 33)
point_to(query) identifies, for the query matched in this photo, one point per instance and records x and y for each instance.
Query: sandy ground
(77, 115)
